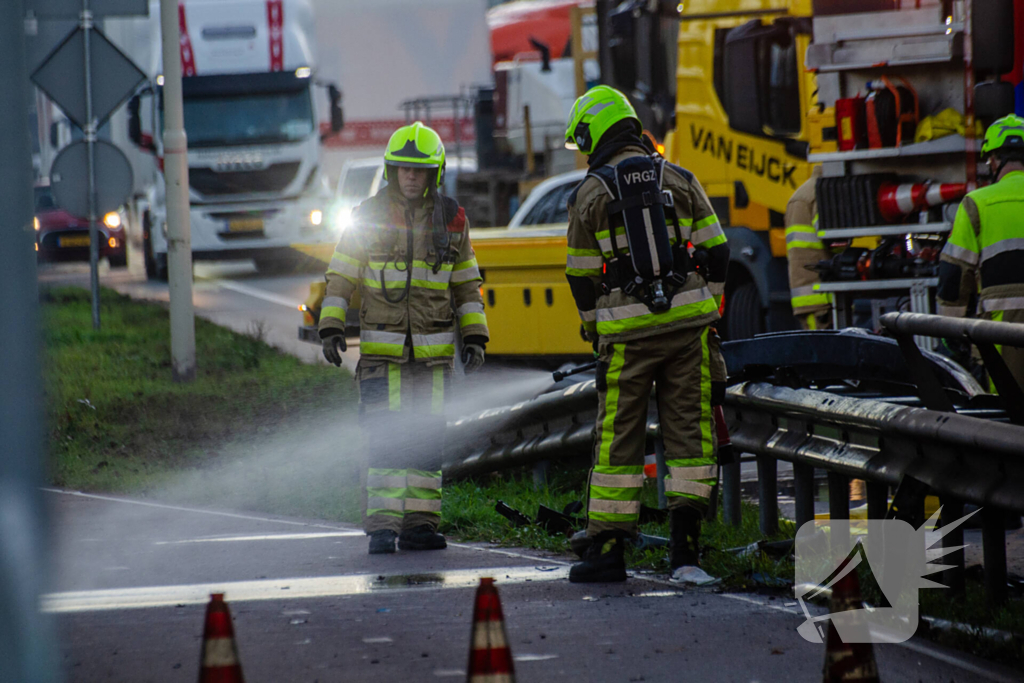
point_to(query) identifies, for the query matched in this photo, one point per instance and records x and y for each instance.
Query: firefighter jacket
(986, 250)
(611, 313)
(803, 249)
(414, 268)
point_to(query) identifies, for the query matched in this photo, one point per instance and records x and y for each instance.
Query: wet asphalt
(309, 604)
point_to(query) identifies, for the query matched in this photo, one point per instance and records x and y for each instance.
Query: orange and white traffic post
(490, 659)
(219, 660)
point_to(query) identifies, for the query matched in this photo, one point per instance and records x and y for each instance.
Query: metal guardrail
(917, 445)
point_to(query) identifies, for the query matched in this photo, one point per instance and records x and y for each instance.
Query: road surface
(310, 605)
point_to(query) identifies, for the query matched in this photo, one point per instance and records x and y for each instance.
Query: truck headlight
(316, 216)
(112, 220)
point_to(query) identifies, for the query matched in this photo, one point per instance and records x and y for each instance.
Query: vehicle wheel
(268, 265)
(118, 261)
(147, 248)
(744, 316)
(159, 267)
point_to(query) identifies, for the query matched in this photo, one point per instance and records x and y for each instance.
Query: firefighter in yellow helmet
(408, 255)
(804, 249)
(648, 312)
(984, 256)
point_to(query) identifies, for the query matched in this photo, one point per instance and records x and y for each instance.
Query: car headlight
(112, 220)
(35, 222)
(316, 216)
(342, 218)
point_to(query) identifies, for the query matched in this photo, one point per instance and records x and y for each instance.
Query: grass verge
(118, 422)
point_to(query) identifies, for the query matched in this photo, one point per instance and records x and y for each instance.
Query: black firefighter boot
(684, 537)
(382, 542)
(684, 547)
(604, 560)
(422, 537)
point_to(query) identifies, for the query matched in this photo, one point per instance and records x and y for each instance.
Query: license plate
(66, 242)
(245, 225)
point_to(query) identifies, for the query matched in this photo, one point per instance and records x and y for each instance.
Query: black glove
(334, 346)
(472, 357)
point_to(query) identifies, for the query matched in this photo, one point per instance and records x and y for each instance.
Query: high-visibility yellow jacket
(804, 248)
(986, 249)
(616, 316)
(409, 301)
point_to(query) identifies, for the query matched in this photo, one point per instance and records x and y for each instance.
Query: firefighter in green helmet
(408, 255)
(984, 256)
(649, 313)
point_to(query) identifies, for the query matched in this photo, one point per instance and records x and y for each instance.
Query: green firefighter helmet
(415, 146)
(1006, 134)
(593, 114)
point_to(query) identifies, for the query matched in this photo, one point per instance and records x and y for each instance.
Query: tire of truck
(156, 269)
(744, 316)
(118, 261)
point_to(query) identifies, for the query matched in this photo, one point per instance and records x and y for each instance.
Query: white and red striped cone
(898, 200)
(490, 659)
(219, 660)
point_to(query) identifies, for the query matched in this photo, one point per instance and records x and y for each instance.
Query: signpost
(88, 77)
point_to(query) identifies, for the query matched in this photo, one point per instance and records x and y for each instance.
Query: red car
(63, 237)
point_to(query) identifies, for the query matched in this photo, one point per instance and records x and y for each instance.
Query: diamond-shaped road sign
(62, 76)
(69, 178)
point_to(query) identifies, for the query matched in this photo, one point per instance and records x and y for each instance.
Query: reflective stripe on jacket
(985, 251)
(617, 316)
(409, 306)
(804, 248)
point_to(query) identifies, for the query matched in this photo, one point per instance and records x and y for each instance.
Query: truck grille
(274, 178)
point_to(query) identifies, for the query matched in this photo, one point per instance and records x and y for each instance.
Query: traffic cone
(490, 660)
(845, 662)
(898, 200)
(219, 660)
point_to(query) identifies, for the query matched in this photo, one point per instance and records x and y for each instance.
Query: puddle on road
(281, 589)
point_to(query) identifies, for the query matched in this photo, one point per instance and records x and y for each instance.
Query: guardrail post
(993, 540)
(768, 494)
(952, 510)
(838, 504)
(731, 509)
(540, 473)
(803, 478)
(878, 499)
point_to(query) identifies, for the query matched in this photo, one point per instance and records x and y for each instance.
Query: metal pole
(26, 639)
(179, 235)
(803, 480)
(768, 494)
(952, 510)
(993, 549)
(90, 143)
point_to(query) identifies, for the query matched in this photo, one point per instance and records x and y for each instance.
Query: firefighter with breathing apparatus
(632, 223)
(984, 255)
(409, 256)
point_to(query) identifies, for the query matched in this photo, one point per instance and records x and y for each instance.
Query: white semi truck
(254, 135)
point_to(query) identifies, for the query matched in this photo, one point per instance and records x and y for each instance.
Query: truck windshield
(248, 119)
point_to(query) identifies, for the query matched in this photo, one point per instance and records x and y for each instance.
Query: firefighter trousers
(402, 423)
(681, 364)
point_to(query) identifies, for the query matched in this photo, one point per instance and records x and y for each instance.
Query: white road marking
(266, 537)
(216, 513)
(283, 589)
(257, 293)
(381, 639)
(534, 658)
